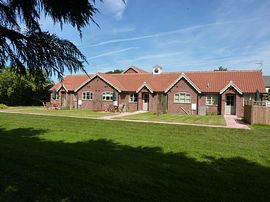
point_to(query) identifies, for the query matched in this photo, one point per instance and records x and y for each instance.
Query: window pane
(107, 96)
(208, 100)
(182, 95)
(215, 99)
(87, 95)
(176, 97)
(188, 98)
(135, 97)
(211, 99)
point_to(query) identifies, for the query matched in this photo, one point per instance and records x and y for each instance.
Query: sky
(179, 35)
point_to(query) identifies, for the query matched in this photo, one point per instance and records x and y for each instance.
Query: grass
(46, 158)
(149, 116)
(53, 112)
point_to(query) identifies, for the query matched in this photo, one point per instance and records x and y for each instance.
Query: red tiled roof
(71, 82)
(246, 81)
(208, 82)
(131, 82)
(136, 69)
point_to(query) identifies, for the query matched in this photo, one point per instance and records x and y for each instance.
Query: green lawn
(72, 112)
(149, 116)
(45, 158)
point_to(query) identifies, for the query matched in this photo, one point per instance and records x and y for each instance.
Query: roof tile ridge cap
(144, 73)
(133, 66)
(77, 75)
(145, 83)
(170, 72)
(244, 70)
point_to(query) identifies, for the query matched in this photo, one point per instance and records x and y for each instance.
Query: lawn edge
(127, 120)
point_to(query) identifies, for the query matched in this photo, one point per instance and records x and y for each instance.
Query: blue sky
(179, 35)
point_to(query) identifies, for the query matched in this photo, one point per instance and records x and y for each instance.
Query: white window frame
(85, 97)
(106, 95)
(211, 99)
(182, 98)
(133, 97)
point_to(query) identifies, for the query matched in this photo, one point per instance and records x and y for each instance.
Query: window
(211, 99)
(133, 97)
(182, 97)
(107, 96)
(56, 96)
(87, 95)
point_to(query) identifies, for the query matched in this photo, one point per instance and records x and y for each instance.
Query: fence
(257, 112)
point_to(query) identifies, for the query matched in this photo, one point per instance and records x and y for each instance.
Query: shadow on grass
(100, 170)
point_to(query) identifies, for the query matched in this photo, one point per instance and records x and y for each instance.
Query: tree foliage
(23, 90)
(37, 50)
(221, 69)
(116, 71)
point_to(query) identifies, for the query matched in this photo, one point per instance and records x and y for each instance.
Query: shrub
(2, 106)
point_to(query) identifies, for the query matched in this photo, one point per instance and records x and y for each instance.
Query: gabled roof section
(132, 82)
(61, 86)
(101, 76)
(205, 81)
(183, 76)
(146, 86)
(70, 82)
(135, 69)
(214, 81)
(266, 80)
(231, 84)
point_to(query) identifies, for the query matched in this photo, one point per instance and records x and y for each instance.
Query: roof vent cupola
(157, 70)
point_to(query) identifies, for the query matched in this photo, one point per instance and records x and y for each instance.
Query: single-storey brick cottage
(206, 92)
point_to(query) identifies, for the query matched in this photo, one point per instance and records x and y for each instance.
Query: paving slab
(232, 121)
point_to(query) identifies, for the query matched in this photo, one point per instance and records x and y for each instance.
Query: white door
(145, 102)
(230, 105)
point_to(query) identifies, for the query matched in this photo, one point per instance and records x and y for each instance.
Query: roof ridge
(78, 74)
(147, 73)
(212, 71)
(178, 72)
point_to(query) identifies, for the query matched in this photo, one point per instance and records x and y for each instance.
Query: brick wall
(97, 86)
(124, 99)
(210, 109)
(182, 86)
(239, 110)
(152, 106)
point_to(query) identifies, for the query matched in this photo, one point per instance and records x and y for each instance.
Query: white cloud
(115, 7)
(166, 33)
(111, 53)
(154, 56)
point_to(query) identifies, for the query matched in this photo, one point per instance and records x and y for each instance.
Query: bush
(2, 106)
